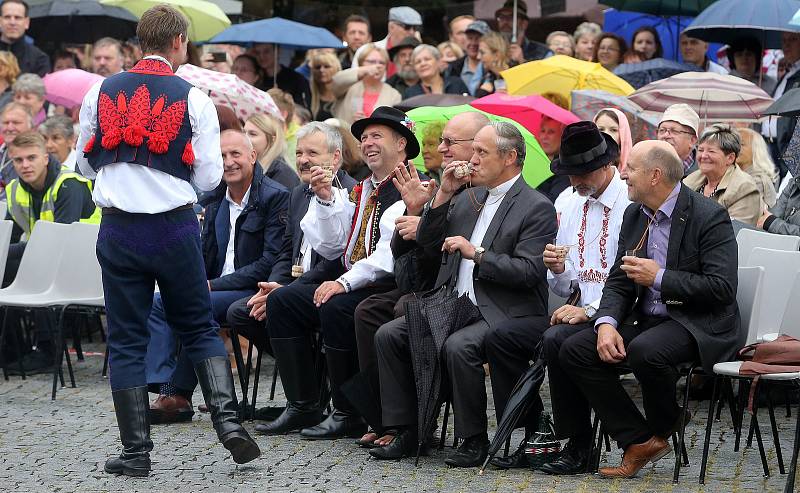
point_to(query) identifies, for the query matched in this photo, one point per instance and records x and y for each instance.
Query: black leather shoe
(295, 417)
(471, 453)
(130, 406)
(516, 460)
(404, 445)
(336, 425)
(573, 460)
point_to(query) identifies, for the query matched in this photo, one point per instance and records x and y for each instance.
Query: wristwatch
(590, 311)
(478, 255)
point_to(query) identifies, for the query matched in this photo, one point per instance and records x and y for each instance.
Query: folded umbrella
(68, 87)
(205, 18)
(433, 100)
(229, 90)
(643, 73)
(525, 110)
(726, 21)
(644, 125)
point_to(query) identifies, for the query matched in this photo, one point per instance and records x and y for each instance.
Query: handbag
(542, 447)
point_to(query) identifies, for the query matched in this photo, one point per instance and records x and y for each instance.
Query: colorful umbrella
(537, 166)
(68, 87)
(726, 21)
(205, 18)
(643, 73)
(714, 97)
(562, 74)
(525, 110)
(229, 90)
(587, 103)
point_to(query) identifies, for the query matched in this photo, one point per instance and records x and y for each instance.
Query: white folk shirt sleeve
(139, 189)
(326, 227)
(561, 284)
(381, 262)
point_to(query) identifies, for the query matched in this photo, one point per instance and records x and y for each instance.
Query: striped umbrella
(714, 97)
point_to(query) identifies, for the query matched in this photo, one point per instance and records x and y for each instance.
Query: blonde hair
(320, 58)
(9, 67)
(276, 138)
(369, 48)
(457, 51)
(762, 160)
(499, 46)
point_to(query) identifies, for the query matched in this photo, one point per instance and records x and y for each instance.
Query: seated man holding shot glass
(670, 299)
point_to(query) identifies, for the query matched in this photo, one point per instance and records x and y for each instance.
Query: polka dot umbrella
(229, 90)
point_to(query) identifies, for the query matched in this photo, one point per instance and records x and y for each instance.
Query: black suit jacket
(510, 281)
(700, 280)
(785, 125)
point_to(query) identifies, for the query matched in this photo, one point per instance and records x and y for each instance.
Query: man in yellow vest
(44, 191)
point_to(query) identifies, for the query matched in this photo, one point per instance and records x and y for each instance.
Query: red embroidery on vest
(111, 122)
(138, 117)
(89, 146)
(165, 127)
(188, 154)
(152, 67)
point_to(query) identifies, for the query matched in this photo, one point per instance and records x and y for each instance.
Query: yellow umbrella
(206, 19)
(562, 74)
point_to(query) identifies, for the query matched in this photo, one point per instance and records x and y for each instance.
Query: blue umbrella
(728, 20)
(643, 73)
(278, 31)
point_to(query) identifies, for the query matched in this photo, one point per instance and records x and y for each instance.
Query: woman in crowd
(352, 163)
(431, 157)
(246, 67)
(450, 53)
(585, 36)
(425, 59)
(361, 89)
(614, 122)
(269, 141)
(609, 50)
(29, 90)
(324, 66)
(9, 71)
(493, 54)
(744, 57)
(645, 45)
(720, 179)
(561, 43)
(755, 160)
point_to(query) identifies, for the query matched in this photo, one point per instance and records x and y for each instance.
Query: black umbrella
(642, 73)
(78, 21)
(786, 105)
(433, 100)
(519, 402)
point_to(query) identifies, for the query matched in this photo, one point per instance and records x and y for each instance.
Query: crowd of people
(316, 223)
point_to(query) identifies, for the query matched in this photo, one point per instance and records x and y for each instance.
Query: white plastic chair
(749, 239)
(6, 228)
(751, 282)
(780, 269)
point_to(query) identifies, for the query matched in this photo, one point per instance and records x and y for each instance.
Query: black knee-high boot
(130, 406)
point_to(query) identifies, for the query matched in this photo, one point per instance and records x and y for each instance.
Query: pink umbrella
(68, 87)
(525, 110)
(229, 90)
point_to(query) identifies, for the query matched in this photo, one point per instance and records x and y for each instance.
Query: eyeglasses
(451, 142)
(663, 132)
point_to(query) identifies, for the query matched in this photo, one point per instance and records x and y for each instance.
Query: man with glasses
(522, 49)
(678, 127)
(403, 22)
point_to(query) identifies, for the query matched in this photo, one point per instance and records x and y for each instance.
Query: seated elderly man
(15, 118)
(495, 234)
(29, 90)
(670, 299)
(245, 219)
(678, 127)
(59, 133)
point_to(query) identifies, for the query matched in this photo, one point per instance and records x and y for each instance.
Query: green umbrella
(537, 166)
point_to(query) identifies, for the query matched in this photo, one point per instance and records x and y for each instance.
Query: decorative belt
(114, 210)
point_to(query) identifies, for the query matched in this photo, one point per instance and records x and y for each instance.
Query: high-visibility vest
(20, 202)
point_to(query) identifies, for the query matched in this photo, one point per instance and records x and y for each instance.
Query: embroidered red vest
(143, 118)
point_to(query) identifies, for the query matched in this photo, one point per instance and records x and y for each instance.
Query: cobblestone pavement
(61, 446)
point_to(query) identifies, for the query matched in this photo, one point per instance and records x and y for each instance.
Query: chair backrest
(43, 252)
(748, 239)
(748, 296)
(780, 269)
(6, 228)
(78, 274)
(790, 325)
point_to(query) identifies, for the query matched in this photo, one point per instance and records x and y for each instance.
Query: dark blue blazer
(257, 241)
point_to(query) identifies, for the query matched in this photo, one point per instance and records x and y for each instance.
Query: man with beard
(581, 257)
(400, 55)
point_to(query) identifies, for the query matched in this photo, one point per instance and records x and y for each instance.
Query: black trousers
(654, 347)
(509, 348)
(370, 314)
(238, 317)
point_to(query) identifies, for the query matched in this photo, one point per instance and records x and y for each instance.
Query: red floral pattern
(111, 122)
(137, 117)
(152, 67)
(603, 238)
(165, 127)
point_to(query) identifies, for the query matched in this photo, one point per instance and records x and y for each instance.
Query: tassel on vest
(89, 145)
(188, 154)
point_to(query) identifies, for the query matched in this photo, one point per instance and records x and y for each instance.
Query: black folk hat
(394, 119)
(584, 148)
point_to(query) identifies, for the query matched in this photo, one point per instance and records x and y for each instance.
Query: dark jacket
(533, 50)
(281, 172)
(257, 241)
(785, 126)
(293, 237)
(30, 58)
(452, 85)
(553, 186)
(785, 218)
(398, 83)
(699, 283)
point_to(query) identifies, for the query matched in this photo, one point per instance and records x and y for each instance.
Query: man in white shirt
(494, 233)
(354, 234)
(148, 136)
(589, 230)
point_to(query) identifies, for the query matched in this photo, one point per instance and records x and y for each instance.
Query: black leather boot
(216, 380)
(344, 421)
(131, 406)
(295, 362)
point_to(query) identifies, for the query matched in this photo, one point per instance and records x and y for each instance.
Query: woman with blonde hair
(450, 53)
(9, 71)
(493, 54)
(359, 90)
(755, 160)
(269, 141)
(324, 66)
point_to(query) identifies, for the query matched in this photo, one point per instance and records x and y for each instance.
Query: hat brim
(608, 157)
(412, 146)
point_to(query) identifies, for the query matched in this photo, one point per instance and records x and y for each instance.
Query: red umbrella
(525, 110)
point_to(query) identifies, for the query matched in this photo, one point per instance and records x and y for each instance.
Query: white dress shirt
(603, 219)
(139, 189)
(769, 128)
(234, 211)
(327, 226)
(490, 206)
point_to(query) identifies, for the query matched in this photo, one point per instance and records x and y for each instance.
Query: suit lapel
(678, 225)
(505, 206)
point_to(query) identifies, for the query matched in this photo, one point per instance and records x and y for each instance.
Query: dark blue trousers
(135, 251)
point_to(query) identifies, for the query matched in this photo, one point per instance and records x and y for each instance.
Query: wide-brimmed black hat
(584, 148)
(407, 42)
(394, 119)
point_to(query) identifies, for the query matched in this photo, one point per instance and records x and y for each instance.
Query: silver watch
(590, 311)
(478, 254)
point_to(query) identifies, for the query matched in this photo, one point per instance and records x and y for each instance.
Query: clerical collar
(503, 188)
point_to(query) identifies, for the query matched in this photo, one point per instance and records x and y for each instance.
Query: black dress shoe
(403, 445)
(295, 417)
(471, 453)
(516, 460)
(573, 460)
(337, 425)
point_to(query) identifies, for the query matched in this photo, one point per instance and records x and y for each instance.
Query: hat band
(584, 157)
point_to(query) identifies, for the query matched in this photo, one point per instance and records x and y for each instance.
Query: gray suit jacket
(510, 282)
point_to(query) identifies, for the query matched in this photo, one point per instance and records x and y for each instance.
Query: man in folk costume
(148, 136)
(354, 234)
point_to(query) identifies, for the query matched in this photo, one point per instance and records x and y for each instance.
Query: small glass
(562, 251)
(638, 253)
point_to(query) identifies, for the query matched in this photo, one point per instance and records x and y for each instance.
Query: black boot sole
(348, 434)
(128, 471)
(242, 447)
(162, 418)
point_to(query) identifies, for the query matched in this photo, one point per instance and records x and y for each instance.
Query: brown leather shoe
(636, 457)
(170, 409)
